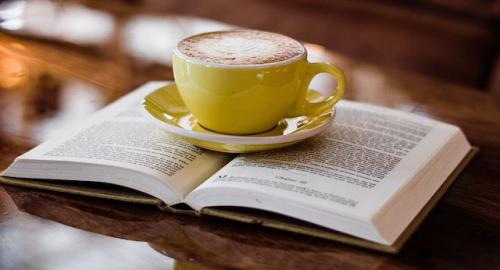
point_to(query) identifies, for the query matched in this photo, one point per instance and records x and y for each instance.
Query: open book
(368, 176)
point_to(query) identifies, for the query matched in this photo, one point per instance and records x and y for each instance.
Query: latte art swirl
(240, 47)
(237, 48)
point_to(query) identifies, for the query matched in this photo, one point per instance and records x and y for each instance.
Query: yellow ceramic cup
(249, 99)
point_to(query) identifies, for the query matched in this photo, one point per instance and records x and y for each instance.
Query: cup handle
(303, 106)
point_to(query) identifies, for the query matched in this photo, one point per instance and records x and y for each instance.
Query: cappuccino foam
(240, 47)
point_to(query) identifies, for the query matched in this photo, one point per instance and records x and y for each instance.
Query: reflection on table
(54, 72)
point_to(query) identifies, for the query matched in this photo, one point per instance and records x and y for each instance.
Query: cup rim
(239, 66)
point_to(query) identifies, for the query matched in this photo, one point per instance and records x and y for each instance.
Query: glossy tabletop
(51, 77)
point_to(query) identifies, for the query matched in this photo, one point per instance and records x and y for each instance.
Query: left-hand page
(118, 145)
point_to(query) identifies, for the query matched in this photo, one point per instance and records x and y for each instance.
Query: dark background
(454, 40)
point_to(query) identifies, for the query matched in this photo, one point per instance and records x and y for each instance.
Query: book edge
(424, 212)
(347, 239)
(252, 219)
(83, 191)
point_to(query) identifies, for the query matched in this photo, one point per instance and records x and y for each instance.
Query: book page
(120, 136)
(353, 168)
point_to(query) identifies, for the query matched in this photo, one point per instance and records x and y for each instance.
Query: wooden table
(47, 82)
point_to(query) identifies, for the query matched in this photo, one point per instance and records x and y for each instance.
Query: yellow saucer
(165, 108)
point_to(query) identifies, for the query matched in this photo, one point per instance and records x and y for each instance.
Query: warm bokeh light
(11, 15)
(152, 38)
(12, 72)
(69, 22)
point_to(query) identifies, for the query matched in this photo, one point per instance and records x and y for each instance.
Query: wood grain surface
(49, 82)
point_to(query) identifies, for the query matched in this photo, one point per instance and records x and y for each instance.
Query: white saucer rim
(238, 139)
(234, 139)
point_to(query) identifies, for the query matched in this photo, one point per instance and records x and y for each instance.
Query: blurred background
(61, 60)
(452, 40)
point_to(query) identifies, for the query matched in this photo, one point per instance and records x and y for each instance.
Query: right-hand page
(353, 168)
